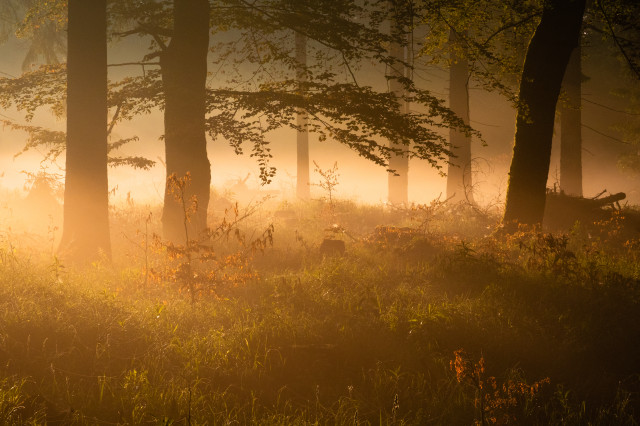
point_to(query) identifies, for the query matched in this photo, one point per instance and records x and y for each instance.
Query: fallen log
(610, 200)
(562, 211)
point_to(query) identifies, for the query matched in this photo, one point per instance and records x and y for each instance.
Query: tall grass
(365, 338)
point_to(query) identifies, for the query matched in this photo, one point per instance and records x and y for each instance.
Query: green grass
(366, 338)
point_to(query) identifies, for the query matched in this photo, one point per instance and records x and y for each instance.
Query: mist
(331, 212)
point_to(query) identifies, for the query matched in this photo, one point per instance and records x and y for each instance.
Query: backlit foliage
(202, 265)
(497, 403)
(244, 110)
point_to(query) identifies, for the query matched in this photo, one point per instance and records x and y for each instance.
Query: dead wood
(562, 211)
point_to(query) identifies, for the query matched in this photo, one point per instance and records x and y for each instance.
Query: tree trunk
(184, 79)
(399, 180)
(571, 128)
(459, 185)
(86, 201)
(544, 67)
(303, 189)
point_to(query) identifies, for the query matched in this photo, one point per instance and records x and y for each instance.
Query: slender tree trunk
(302, 185)
(184, 78)
(459, 185)
(86, 200)
(571, 127)
(544, 67)
(398, 181)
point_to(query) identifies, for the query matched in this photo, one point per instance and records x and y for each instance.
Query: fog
(195, 292)
(360, 180)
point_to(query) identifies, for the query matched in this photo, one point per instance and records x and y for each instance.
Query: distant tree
(347, 112)
(303, 189)
(571, 127)
(44, 27)
(400, 14)
(41, 23)
(481, 43)
(9, 11)
(459, 178)
(86, 202)
(556, 36)
(245, 106)
(356, 36)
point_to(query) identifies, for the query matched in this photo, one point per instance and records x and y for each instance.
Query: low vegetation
(431, 316)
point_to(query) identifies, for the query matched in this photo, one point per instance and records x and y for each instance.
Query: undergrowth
(417, 323)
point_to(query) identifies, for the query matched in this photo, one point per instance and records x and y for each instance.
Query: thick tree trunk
(398, 181)
(86, 200)
(544, 67)
(184, 78)
(303, 189)
(571, 127)
(459, 184)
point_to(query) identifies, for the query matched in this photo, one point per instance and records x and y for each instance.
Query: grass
(367, 338)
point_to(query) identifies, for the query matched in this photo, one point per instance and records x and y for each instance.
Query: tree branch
(124, 64)
(616, 40)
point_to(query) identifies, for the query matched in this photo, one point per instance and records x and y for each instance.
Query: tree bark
(459, 184)
(86, 201)
(571, 127)
(184, 78)
(303, 189)
(398, 192)
(544, 67)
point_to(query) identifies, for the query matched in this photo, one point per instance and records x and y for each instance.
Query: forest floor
(433, 318)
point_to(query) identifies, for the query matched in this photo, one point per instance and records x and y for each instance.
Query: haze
(280, 212)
